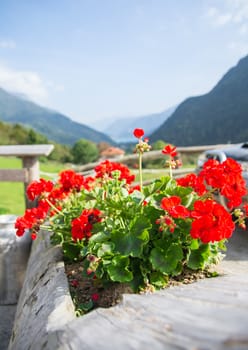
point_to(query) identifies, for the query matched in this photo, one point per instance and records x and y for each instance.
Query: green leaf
(198, 258)
(99, 237)
(166, 261)
(162, 243)
(71, 250)
(222, 245)
(118, 271)
(86, 306)
(84, 251)
(194, 244)
(160, 184)
(178, 270)
(131, 242)
(105, 249)
(158, 280)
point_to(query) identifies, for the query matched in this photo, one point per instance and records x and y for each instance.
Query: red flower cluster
(227, 177)
(69, 180)
(174, 208)
(47, 193)
(211, 222)
(81, 227)
(106, 168)
(32, 219)
(194, 181)
(36, 188)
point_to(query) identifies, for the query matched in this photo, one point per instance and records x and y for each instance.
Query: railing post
(32, 165)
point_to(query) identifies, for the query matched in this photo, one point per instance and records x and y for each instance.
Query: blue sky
(95, 59)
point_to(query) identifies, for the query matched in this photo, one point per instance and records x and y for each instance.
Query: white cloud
(233, 11)
(55, 87)
(239, 9)
(24, 82)
(240, 47)
(7, 44)
(217, 17)
(243, 30)
(29, 84)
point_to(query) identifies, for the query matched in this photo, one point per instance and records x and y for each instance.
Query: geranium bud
(33, 236)
(95, 297)
(75, 283)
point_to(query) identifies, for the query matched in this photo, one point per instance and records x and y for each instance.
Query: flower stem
(53, 206)
(170, 169)
(140, 172)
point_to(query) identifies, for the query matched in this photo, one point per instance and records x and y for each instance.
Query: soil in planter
(87, 294)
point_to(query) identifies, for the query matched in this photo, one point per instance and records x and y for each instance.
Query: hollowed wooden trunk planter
(209, 314)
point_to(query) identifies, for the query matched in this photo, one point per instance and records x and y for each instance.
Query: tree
(61, 153)
(84, 152)
(158, 145)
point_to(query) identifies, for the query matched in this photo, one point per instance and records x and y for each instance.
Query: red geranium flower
(106, 168)
(211, 222)
(194, 181)
(81, 227)
(173, 206)
(70, 180)
(245, 206)
(234, 187)
(134, 188)
(32, 219)
(36, 188)
(227, 178)
(168, 203)
(170, 150)
(138, 133)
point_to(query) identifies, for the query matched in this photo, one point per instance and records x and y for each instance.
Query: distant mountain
(54, 125)
(121, 129)
(219, 116)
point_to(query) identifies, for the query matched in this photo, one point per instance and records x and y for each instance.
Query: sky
(97, 59)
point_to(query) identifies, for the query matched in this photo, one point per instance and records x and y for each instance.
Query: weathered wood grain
(26, 150)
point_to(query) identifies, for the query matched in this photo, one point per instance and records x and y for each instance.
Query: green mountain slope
(55, 126)
(219, 116)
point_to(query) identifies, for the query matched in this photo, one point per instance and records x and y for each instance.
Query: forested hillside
(54, 125)
(18, 135)
(219, 116)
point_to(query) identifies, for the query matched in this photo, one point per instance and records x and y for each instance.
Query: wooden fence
(30, 164)
(155, 155)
